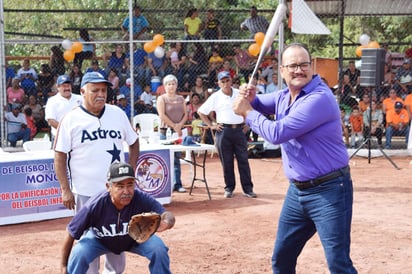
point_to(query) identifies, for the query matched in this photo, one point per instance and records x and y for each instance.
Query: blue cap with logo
(62, 79)
(223, 74)
(94, 77)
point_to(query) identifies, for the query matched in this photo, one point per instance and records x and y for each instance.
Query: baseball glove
(144, 225)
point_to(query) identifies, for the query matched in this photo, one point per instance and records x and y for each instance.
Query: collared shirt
(256, 24)
(222, 105)
(309, 130)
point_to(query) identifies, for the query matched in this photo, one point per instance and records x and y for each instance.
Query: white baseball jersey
(57, 106)
(93, 144)
(222, 104)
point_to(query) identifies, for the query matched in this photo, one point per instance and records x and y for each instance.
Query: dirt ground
(227, 236)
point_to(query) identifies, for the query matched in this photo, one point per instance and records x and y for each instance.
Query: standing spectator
(230, 136)
(147, 96)
(315, 160)
(89, 140)
(10, 74)
(397, 123)
(139, 25)
(255, 23)
(243, 61)
(356, 124)
(28, 78)
(87, 50)
(102, 215)
(45, 82)
(197, 63)
(193, 25)
(172, 111)
(139, 65)
(375, 127)
(16, 125)
(212, 28)
(61, 103)
(195, 125)
(15, 94)
(57, 62)
(95, 67)
(76, 76)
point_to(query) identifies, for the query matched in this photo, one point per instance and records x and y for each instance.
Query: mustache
(126, 196)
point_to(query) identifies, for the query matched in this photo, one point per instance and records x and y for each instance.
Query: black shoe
(250, 194)
(228, 194)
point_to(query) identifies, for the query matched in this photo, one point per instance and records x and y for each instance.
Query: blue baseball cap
(223, 74)
(94, 77)
(62, 79)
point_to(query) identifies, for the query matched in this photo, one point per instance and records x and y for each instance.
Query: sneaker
(250, 194)
(228, 194)
(181, 189)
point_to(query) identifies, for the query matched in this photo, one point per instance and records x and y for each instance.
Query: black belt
(301, 185)
(233, 125)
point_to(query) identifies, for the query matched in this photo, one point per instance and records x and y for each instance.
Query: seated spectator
(57, 62)
(15, 94)
(28, 77)
(364, 103)
(347, 95)
(16, 125)
(227, 67)
(200, 89)
(193, 106)
(389, 103)
(126, 89)
(45, 82)
(113, 78)
(192, 25)
(198, 63)
(403, 77)
(147, 96)
(356, 124)
(37, 112)
(212, 27)
(116, 60)
(123, 104)
(274, 86)
(196, 131)
(216, 58)
(156, 66)
(345, 125)
(354, 77)
(30, 122)
(88, 48)
(376, 119)
(270, 70)
(397, 124)
(95, 67)
(139, 65)
(76, 75)
(139, 25)
(10, 74)
(244, 61)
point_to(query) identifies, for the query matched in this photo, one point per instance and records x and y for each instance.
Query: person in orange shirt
(364, 103)
(389, 103)
(408, 104)
(397, 123)
(356, 123)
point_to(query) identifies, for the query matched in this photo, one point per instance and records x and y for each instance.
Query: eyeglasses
(294, 67)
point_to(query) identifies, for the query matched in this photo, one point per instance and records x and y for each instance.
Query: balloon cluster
(254, 49)
(155, 46)
(366, 43)
(71, 48)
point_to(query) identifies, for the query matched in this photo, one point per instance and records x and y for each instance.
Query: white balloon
(159, 52)
(364, 39)
(67, 44)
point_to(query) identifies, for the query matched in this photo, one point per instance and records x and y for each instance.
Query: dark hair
(84, 34)
(296, 45)
(196, 115)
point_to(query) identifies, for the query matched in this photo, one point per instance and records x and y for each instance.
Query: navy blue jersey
(108, 223)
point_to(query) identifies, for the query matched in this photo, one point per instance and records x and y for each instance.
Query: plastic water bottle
(168, 133)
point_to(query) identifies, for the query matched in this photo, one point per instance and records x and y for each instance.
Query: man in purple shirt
(308, 128)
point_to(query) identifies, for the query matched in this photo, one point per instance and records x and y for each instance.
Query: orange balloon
(68, 55)
(254, 49)
(149, 47)
(259, 37)
(77, 47)
(373, 45)
(359, 50)
(158, 40)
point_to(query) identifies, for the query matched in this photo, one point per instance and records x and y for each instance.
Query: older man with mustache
(307, 126)
(88, 140)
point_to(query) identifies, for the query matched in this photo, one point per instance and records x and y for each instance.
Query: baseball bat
(270, 36)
